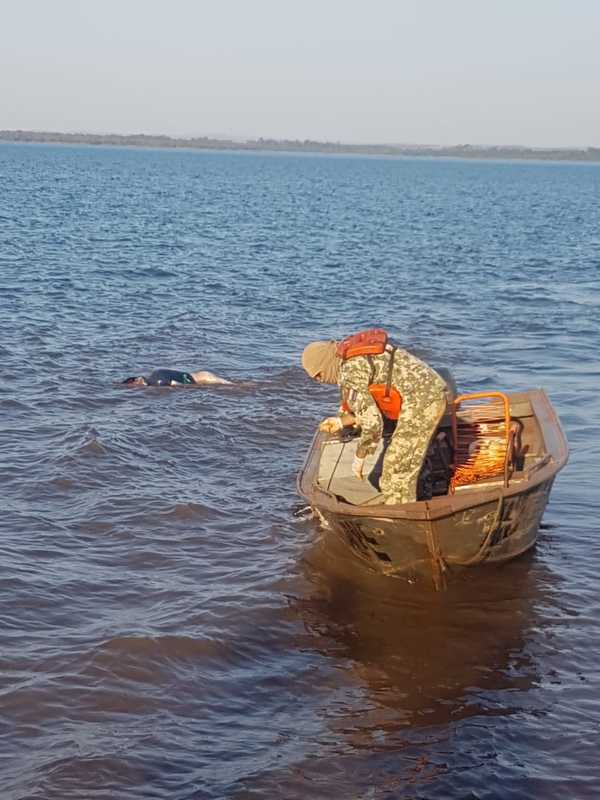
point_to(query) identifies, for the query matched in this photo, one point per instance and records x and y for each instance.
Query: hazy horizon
(224, 137)
(417, 72)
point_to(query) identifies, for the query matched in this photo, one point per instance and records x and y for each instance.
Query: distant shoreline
(584, 154)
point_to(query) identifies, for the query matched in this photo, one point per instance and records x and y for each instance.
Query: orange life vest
(373, 343)
(365, 343)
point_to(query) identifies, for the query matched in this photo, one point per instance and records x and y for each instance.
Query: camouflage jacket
(417, 382)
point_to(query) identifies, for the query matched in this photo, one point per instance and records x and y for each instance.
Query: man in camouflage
(423, 394)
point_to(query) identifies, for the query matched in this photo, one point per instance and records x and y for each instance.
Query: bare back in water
(204, 376)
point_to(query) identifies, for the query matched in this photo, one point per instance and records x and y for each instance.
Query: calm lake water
(169, 628)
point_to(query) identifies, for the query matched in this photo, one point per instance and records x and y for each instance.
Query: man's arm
(355, 378)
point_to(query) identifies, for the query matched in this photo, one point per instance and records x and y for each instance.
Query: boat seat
(482, 437)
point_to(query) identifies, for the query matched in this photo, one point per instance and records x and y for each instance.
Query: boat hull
(415, 549)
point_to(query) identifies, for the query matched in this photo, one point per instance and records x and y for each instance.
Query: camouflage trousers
(418, 421)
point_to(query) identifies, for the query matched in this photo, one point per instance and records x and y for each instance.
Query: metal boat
(470, 512)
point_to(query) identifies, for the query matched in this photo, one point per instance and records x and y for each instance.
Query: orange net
(481, 435)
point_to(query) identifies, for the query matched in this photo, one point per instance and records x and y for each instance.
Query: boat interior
(483, 440)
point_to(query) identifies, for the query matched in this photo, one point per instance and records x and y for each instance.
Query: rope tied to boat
(438, 565)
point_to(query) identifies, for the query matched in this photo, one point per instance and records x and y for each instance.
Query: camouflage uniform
(423, 404)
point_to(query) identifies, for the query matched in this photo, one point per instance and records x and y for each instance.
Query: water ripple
(170, 628)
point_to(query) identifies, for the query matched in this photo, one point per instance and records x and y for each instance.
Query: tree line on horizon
(302, 145)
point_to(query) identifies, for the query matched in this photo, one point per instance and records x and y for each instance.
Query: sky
(441, 72)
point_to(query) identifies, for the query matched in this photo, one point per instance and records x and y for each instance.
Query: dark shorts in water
(164, 377)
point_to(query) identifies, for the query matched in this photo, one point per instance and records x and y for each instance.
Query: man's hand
(357, 467)
(331, 425)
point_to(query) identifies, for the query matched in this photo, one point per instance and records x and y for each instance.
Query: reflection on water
(421, 675)
(424, 657)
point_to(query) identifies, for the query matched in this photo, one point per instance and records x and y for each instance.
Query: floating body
(172, 377)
